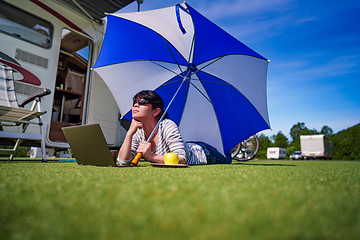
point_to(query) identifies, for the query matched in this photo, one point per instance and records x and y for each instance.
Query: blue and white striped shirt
(170, 140)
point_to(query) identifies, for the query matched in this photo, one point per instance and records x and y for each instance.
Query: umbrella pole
(136, 159)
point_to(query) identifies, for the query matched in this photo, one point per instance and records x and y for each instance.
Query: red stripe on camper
(28, 76)
(59, 16)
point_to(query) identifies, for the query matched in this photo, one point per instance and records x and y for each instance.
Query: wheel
(235, 150)
(247, 149)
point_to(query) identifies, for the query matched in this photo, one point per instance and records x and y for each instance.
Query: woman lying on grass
(146, 112)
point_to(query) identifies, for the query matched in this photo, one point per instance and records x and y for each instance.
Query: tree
(296, 130)
(346, 144)
(280, 140)
(291, 149)
(265, 142)
(300, 129)
(327, 131)
(307, 131)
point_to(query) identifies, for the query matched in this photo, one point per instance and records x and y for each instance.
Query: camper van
(53, 44)
(315, 146)
(276, 153)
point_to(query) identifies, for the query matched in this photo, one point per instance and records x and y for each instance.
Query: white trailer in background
(276, 153)
(315, 146)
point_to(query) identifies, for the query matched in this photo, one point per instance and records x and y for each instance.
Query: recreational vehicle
(53, 44)
(276, 153)
(315, 146)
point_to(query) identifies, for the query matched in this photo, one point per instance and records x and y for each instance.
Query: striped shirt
(170, 140)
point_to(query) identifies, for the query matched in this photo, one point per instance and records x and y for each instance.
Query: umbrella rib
(217, 59)
(177, 74)
(201, 92)
(172, 55)
(164, 84)
(191, 49)
(224, 83)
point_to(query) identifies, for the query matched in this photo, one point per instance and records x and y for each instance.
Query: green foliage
(291, 149)
(265, 142)
(280, 140)
(346, 144)
(296, 130)
(261, 154)
(327, 131)
(20, 151)
(300, 129)
(253, 200)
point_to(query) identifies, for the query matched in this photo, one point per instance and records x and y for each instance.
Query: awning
(95, 9)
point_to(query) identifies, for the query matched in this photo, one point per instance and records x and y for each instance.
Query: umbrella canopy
(220, 82)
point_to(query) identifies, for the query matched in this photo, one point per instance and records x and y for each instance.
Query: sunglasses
(141, 102)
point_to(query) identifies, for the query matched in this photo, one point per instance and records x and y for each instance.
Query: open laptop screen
(88, 145)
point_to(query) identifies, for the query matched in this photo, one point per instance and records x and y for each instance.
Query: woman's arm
(125, 150)
(145, 149)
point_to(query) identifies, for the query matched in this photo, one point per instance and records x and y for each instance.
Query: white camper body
(41, 40)
(315, 146)
(276, 153)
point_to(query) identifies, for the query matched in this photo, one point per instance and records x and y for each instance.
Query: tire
(247, 149)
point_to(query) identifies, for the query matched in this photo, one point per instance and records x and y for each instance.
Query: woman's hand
(145, 149)
(134, 126)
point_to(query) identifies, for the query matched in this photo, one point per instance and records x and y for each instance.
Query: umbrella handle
(136, 159)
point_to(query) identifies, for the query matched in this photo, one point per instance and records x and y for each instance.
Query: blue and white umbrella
(217, 84)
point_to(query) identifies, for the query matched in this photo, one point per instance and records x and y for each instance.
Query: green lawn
(251, 200)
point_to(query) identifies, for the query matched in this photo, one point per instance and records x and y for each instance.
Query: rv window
(19, 24)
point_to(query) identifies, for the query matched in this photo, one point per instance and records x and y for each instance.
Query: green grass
(252, 200)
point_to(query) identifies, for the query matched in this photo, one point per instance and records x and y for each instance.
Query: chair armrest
(39, 94)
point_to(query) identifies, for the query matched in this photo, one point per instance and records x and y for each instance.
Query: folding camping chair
(12, 115)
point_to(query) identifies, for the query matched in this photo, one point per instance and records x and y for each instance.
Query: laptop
(89, 147)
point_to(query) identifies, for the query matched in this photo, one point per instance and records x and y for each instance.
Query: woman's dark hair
(154, 99)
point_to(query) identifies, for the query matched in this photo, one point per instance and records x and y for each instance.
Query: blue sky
(314, 48)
